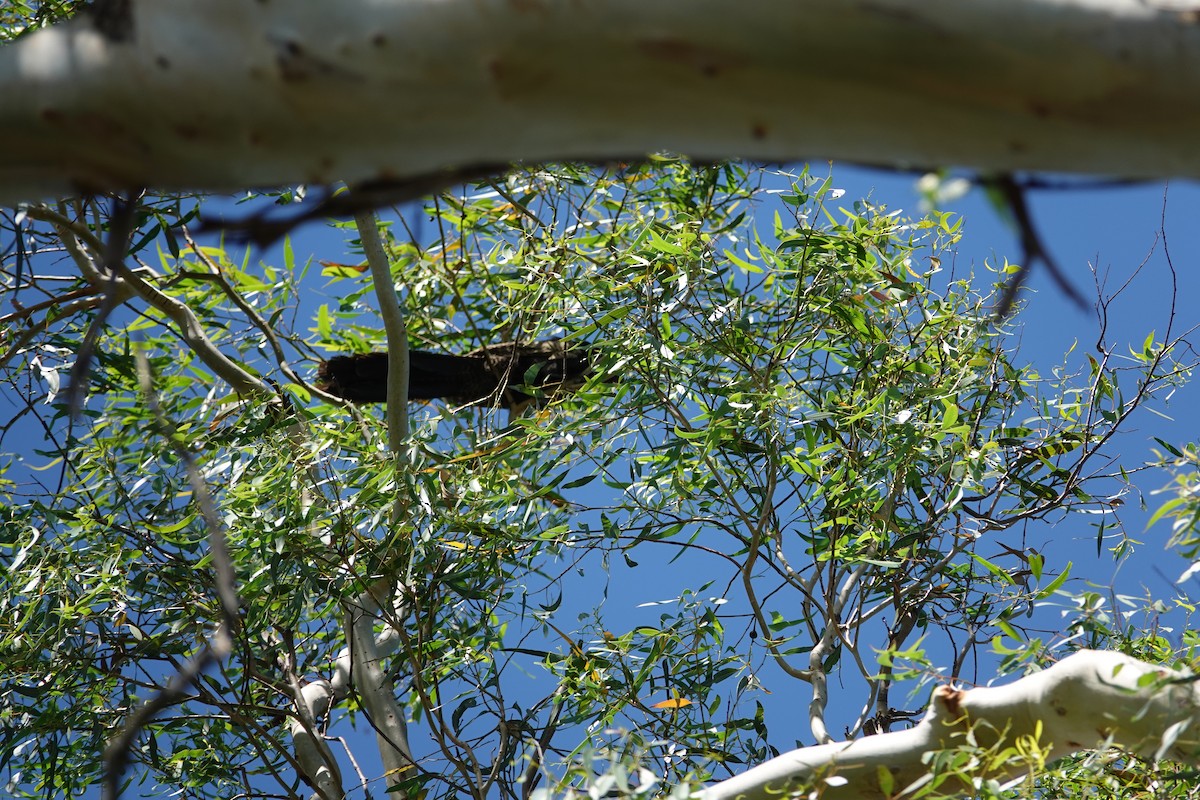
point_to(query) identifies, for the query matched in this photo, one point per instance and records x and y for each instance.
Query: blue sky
(1113, 231)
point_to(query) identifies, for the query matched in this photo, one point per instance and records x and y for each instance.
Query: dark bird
(490, 375)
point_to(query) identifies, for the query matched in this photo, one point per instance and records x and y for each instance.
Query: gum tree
(805, 463)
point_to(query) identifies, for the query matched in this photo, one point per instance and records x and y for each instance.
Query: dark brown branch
(1012, 195)
(264, 228)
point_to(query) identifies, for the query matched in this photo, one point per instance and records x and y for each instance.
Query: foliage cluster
(808, 462)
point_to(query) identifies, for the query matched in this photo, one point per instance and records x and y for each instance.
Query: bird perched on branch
(490, 375)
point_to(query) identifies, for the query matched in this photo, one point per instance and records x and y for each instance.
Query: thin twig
(116, 755)
(190, 328)
(1033, 250)
(362, 778)
(31, 331)
(259, 229)
(121, 224)
(45, 213)
(216, 275)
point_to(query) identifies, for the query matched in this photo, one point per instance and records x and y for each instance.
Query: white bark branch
(375, 688)
(358, 665)
(1092, 699)
(312, 752)
(396, 330)
(229, 94)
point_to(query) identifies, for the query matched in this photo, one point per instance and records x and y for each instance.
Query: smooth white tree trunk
(231, 94)
(1091, 699)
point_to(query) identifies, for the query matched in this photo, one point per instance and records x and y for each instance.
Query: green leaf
(1170, 448)
(1054, 584)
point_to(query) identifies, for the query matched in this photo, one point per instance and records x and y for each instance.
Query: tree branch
(394, 327)
(224, 95)
(1091, 699)
(375, 687)
(314, 756)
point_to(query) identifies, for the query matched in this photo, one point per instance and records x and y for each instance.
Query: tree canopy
(803, 462)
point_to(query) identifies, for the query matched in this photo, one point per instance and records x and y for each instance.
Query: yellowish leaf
(674, 702)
